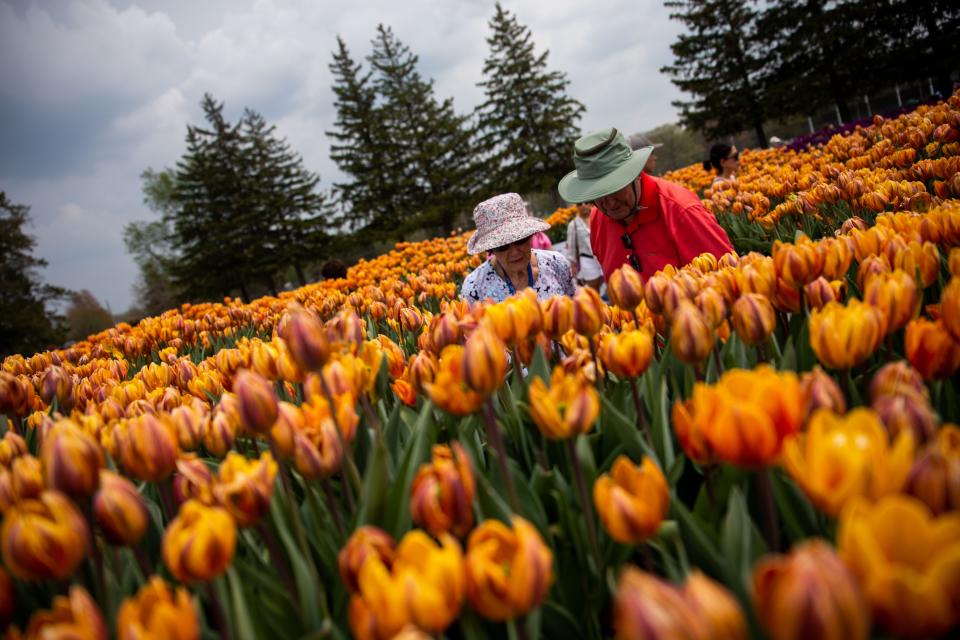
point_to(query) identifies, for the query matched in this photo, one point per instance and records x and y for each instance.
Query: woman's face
(732, 161)
(514, 256)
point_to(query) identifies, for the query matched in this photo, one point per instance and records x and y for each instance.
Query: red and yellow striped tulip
(120, 510)
(484, 361)
(157, 611)
(568, 408)
(931, 349)
(72, 616)
(631, 500)
(449, 390)
(365, 543)
(509, 569)
(71, 460)
(627, 354)
(844, 336)
(441, 496)
(244, 487)
(198, 544)
(44, 538)
(809, 593)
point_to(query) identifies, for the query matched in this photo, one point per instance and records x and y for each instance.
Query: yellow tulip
(896, 295)
(841, 457)
(631, 500)
(568, 408)
(625, 287)
(911, 584)
(71, 460)
(448, 389)
(72, 616)
(244, 487)
(120, 510)
(367, 541)
(43, 538)
(691, 337)
(484, 361)
(627, 354)
(441, 496)
(754, 318)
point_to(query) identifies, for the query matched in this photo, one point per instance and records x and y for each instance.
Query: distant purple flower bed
(823, 135)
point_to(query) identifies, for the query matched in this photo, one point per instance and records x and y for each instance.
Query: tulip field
(754, 445)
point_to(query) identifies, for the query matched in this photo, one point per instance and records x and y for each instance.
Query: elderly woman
(506, 230)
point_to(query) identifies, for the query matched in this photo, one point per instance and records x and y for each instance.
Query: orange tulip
(587, 311)
(256, 401)
(627, 354)
(820, 391)
(557, 316)
(715, 605)
(568, 408)
(743, 419)
(896, 378)
(754, 318)
(844, 336)
(625, 287)
(449, 390)
(809, 594)
(148, 447)
(484, 361)
(366, 541)
(43, 538)
(71, 616)
(691, 337)
(441, 496)
(713, 306)
(798, 263)
(71, 460)
(120, 510)
(306, 338)
(157, 611)
(58, 385)
(819, 292)
(244, 487)
(317, 448)
(12, 445)
(193, 480)
(198, 544)
(632, 500)
(950, 307)
(935, 476)
(839, 458)
(896, 295)
(911, 585)
(931, 349)
(509, 569)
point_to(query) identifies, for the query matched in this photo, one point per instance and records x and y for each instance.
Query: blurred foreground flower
(809, 593)
(244, 487)
(632, 500)
(157, 611)
(71, 616)
(367, 541)
(44, 538)
(198, 544)
(509, 569)
(844, 336)
(743, 419)
(912, 584)
(71, 460)
(120, 510)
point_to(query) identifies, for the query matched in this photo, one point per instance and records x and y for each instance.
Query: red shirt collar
(649, 202)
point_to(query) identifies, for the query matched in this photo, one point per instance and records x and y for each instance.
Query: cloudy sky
(92, 92)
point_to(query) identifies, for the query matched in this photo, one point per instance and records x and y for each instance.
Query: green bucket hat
(605, 164)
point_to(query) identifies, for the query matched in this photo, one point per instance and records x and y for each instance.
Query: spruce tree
(26, 325)
(428, 159)
(357, 146)
(720, 61)
(527, 123)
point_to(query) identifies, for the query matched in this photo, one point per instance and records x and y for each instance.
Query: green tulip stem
(277, 558)
(771, 528)
(291, 501)
(585, 503)
(642, 423)
(351, 472)
(496, 440)
(219, 618)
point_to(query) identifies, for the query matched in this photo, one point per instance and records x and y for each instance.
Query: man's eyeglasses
(506, 247)
(627, 242)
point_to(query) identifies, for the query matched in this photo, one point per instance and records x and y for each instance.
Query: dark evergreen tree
(720, 61)
(527, 124)
(149, 242)
(26, 324)
(429, 164)
(357, 146)
(246, 209)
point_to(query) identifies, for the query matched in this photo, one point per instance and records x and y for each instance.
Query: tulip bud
(870, 267)
(799, 263)
(445, 331)
(71, 460)
(198, 544)
(713, 305)
(809, 594)
(690, 336)
(448, 389)
(44, 538)
(193, 480)
(820, 391)
(23, 481)
(627, 354)
(896, 295)
(72, 616)
(753, 318)
(58, 384)
(654, 291)
(366, 542)
(484, 361)
(935, 476)
(188, 422)
(895, 378)
(16, 396)
(306, 338)
(906, 412)
(441, 496)
(557, 316)
(820, 292)
(844, 336)
(509, 569)
(631, 500)
(244, 487)
(219, 432)
(625, 287)
(567, 409)
(422, 369)
(587, 311)
(120, 510)
(157, 611)
(317, 448)
(257, 401)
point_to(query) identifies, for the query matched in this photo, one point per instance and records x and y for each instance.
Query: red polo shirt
(673, 228)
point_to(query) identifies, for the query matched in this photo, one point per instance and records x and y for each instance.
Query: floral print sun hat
(501, 220)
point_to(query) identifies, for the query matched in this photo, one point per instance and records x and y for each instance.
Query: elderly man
(637, 218)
